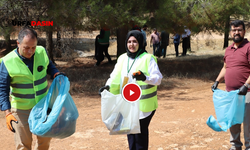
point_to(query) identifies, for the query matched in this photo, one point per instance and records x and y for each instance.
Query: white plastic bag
(119, 115)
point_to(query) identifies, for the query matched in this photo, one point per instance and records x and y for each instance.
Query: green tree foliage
(115, 13)
(64, 14)
(121, 15)
(201, 15)
(10, 10)
(219, 13)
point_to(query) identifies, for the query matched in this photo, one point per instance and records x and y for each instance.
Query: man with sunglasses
(235, 72)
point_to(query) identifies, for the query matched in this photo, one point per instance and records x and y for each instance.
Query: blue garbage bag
(55, 115)
(229, 110)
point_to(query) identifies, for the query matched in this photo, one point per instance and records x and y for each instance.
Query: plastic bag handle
(134, 80)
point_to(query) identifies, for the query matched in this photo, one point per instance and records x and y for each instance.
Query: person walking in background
(189, 40)
(103, 42)
(176, 44)
(143, 30)
(155, 41)
(164, 43)
(184, 44)
(185, 40)
(23, 76)
(135, 60)
(235, 72)
(98, 51)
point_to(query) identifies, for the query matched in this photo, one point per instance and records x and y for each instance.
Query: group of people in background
(158, 40)
(185, 42)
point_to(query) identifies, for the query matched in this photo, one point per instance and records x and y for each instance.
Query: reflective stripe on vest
(144, 88)
(27, 89)
(148, 100)
(28, 86)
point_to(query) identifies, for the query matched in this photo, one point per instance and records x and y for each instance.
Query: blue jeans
(155, 48)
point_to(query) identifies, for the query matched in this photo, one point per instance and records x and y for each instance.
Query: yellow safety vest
(27, 89)
(148, 100)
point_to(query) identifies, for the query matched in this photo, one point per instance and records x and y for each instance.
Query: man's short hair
(26, 31)
(237, 23)
(145, 26)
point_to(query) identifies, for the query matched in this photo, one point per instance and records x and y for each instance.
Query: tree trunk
(7, 44)
(121, 37)
(58, 47)
(58, 39)
(226, 33)
(49, 45)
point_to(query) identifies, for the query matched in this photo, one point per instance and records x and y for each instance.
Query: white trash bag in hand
(119, 115)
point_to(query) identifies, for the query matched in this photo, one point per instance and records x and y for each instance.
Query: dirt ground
(178, 124)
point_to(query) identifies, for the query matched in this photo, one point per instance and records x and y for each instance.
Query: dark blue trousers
(140, 141)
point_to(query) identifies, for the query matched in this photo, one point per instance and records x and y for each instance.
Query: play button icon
(131, 92)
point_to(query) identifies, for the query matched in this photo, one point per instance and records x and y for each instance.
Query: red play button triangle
(131, 92)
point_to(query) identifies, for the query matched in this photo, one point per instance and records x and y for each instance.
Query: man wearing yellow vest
(23, 76)
(137, 63)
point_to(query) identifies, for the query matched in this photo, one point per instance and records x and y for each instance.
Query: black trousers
(176, 47)
(140, 141)
(163, 48)
(184, 46)
(104, 48)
